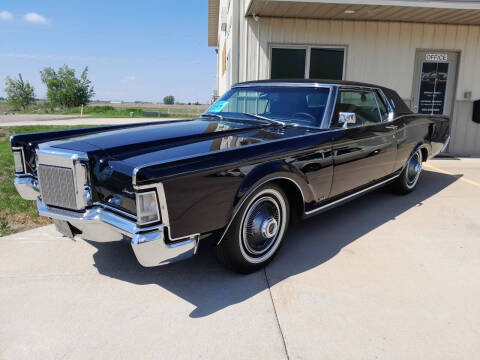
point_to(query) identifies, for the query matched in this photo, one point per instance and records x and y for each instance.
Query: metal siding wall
(377, 52)
(465, 133)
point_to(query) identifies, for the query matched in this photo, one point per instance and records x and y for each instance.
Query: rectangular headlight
(147, 207)
(18, 160)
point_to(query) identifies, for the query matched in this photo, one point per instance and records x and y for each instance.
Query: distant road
(29, 120)
(196, 108)
(31, 117)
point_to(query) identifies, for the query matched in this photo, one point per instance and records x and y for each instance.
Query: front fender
(264, 173)
(274, 170)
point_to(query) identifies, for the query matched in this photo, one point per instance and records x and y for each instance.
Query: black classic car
(265, 153)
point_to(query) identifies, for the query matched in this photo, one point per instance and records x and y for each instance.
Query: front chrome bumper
(27, 187)
(101, 225)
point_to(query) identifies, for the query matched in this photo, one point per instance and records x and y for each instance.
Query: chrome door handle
(392, 127)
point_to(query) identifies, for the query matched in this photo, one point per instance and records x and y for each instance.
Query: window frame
(308, 48)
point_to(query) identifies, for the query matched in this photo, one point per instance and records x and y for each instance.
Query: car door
(364, 151)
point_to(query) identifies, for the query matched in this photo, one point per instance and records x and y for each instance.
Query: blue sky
(135, 50)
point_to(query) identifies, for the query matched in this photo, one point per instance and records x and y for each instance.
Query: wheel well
(424, 154)
(294, 196)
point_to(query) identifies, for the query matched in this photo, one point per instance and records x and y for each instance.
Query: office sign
(436, 57)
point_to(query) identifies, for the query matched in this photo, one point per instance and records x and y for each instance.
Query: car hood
(115, 154)
(163, 142)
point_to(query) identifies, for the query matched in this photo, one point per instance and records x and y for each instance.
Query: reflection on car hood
(163, 142)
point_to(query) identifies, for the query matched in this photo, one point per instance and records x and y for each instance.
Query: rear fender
(424, 147)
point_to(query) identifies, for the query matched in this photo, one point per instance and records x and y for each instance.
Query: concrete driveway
(385, 276)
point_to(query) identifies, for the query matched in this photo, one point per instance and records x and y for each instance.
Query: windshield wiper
(272, 121)
(260, 117)
(213, 115)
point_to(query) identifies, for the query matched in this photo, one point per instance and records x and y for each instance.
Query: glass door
(434, 82)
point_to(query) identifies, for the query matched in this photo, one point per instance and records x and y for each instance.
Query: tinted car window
(362, 103)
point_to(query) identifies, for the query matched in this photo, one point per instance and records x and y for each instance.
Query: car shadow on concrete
(310, 243)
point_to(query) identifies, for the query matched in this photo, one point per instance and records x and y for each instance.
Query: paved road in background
(29, 120)
(385, 276)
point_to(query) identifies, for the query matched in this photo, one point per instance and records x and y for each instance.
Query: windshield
(294, 105)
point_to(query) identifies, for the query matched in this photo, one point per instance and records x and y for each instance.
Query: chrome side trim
(246, 196)
(391, 110)
(332, 204)
(115, 210)
(284, 84)
(445, 144)
(163, 204)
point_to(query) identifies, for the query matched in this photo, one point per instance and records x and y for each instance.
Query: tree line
(64, 89)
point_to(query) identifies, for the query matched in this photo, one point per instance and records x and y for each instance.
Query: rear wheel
(411, 173)
(257, 231)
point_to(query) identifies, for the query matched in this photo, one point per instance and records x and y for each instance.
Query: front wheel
(256, 232)
(408, 179)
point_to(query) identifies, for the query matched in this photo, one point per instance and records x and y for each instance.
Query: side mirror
(346, 118)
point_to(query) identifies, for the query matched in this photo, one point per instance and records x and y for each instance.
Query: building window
(326, 64)
(307, 62)
(288, 63)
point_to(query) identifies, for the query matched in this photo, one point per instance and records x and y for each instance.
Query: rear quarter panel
(417, 130)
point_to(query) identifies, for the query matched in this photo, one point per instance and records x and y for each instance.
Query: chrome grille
(57, 186)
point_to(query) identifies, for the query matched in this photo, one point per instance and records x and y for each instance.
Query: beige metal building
(429, 51)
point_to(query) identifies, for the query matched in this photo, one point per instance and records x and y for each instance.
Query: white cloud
(33, 17)
(129, 78)
(5, 15)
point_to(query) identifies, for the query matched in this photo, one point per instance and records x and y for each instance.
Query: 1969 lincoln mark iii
(265, 153)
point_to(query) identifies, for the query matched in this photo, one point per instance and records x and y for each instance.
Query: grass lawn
(117, 111)
(17, 214)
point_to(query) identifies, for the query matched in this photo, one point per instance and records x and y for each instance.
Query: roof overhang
(213, 15)
(466, 12)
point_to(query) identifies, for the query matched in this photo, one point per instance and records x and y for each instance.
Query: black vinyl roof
(311, 81)
(397, 102)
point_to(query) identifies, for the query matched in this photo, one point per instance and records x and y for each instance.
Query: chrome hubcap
(261, 226)
(269, 228)
(414, 168)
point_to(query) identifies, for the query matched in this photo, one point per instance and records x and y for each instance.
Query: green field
(106, 110)
(16, 214)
